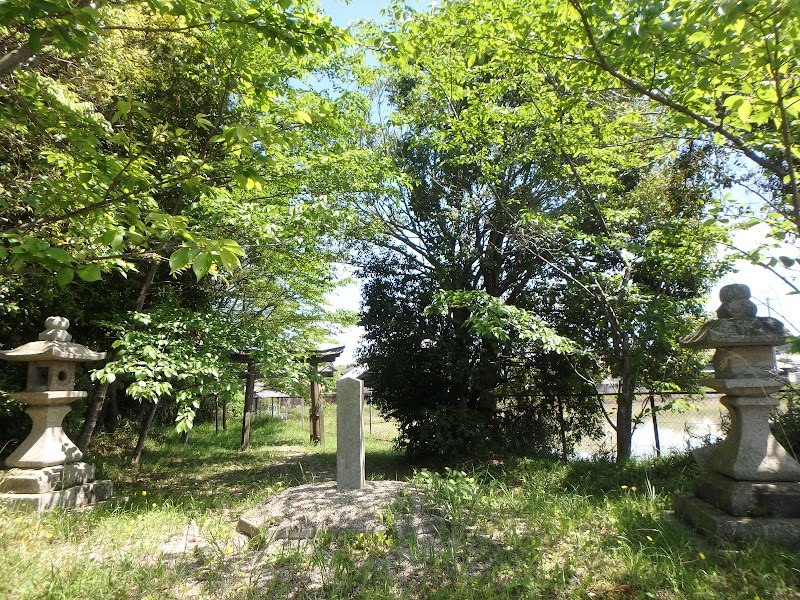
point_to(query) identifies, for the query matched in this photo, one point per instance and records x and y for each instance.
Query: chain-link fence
(662, 423)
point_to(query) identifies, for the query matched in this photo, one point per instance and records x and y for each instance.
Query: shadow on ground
(210, 471)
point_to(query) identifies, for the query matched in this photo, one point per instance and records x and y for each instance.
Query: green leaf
(123, 107)
(179, 259)
(303, 117)
(201, 265)
(745, 110)
(698, 36)
(59, 254)
(229, 260)
(113, 238)
(65, 275)
(202, 121)
(35, 39)
(90, 272)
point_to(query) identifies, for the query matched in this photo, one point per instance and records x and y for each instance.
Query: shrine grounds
(506, 528)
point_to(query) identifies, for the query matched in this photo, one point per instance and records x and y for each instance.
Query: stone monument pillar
(46, 471)
(748, 474)
(350, 434)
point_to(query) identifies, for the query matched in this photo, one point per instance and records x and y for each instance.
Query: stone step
(71, 497)
(47, 479)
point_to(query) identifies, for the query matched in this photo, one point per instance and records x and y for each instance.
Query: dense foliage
(174, 170)
(542, 235)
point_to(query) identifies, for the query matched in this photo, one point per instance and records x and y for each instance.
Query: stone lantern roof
(733, 332)
(54, 345)
(737, 324)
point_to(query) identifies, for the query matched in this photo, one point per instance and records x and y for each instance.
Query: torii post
(317, 417)
(250, 379)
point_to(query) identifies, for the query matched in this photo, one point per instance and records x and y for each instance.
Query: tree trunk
(461, 375)
(147, 284)
(90, 420)
(625, 410)
(144, 428)
(562, 429)
(247, 413)
(94, 409)
(112, 410)
(216, 413)
(22, 54)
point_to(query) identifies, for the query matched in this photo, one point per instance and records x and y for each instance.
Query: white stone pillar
(349, 434)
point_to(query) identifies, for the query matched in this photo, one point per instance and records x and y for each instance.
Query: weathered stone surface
(736, 303)
(751, 362)
(72, 497)
(721, 526)
(49, 398)
(752, 387)
(47, 444)
(734, 291)
(350, 467)
(750, 498)
(749, 473)
(750, 452)
(737, 309)
(48, 471)
(723, 333)
(48, 479)
(47, 350)
(53, 344)
(304, 511)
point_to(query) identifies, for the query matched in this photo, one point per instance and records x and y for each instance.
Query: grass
(514, 528)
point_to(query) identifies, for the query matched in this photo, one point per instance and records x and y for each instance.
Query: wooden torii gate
(317, 417)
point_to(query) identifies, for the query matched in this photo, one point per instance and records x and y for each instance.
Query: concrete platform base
(737, 529)
(72, 497)
(60, 486)
(47, 479)
(750, 498)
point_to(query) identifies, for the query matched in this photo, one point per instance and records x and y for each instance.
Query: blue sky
(341, 14)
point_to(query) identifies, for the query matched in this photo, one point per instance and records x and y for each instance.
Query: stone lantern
(46, 471)
(749, 474)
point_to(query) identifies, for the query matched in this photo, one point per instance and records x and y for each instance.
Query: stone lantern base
(720, 525)
(750, 498)
(50, 488)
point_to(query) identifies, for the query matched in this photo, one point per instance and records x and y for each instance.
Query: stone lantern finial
(56, 330)
(736, 303)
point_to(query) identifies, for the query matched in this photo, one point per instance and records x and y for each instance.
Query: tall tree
(185, 153)
(725, 71)
(565, 169)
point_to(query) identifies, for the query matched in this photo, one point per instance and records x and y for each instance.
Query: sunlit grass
(510, 529)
